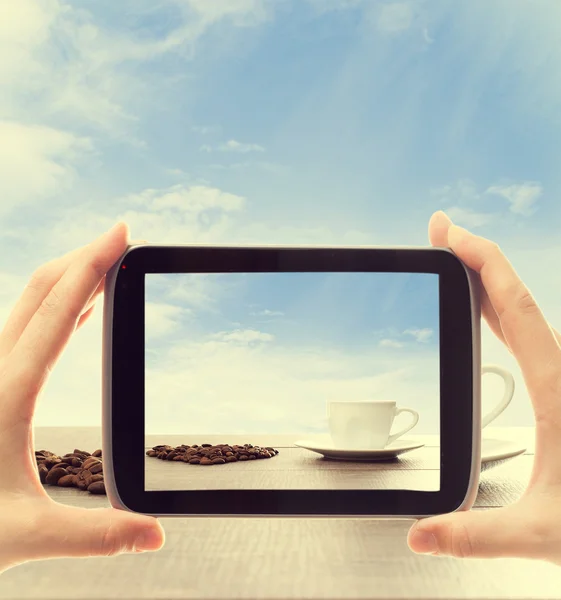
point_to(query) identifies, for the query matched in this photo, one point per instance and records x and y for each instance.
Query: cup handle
(507, 396)
(415, 414)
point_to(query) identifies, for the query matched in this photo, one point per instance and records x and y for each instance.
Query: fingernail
(424, 542)
(456, 233)
(445, 217)
(148, 541)
(112, 229)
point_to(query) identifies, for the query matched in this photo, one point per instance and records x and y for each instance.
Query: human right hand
(531, 527)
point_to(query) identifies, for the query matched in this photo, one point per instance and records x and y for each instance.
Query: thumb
(68, 531)
(484, 533)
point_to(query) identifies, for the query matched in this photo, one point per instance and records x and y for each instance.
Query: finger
(68, 531)
(40, 284)
(525, 329)
(85, 317)
(439, 225)
(94, 297)
(55, 320)
(489, 533)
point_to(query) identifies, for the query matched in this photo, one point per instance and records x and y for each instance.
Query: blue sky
(278, 121)
(266, 352)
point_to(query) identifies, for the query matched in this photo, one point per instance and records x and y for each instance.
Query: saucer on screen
(323, 445)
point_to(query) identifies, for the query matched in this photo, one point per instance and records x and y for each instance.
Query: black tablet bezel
(127, 363)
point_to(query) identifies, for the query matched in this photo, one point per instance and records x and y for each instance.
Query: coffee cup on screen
(366, 424)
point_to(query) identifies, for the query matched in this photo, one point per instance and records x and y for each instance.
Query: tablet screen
(292, 381)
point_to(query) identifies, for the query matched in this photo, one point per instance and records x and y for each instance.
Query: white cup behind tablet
(507, 395)
(365, 425)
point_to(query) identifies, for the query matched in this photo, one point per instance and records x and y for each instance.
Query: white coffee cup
(507, 396)
(365, 424)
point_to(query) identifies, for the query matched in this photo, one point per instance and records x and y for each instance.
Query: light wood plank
(498, 487)
(63, 439)
(282, 559)
(247, 558)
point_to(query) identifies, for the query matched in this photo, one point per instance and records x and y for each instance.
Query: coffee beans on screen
(209, 454)
(78, 469)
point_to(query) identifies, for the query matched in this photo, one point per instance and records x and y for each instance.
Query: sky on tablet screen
(277, 121)
(249, 353)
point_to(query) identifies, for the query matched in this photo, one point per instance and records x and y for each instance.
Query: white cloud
(268, 313)
(466, 197)
(36, 162)
(243, 12)
(420, 335)
(57, 60)
(388, 343)
(196, 199)
(426, 36)
(461, 191)
(232, 146)
(25, 26)
(242, 148)
(162, 319)
(522, 197)
(244, 336)
(225, 388)
(395, 16)
(199, 291)
(469, 218)
(178, 214)
(323, 6)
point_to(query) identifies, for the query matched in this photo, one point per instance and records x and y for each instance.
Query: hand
(531, 527)
(59, 298)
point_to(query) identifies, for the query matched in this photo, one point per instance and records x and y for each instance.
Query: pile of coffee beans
(76, 469)
(208, 454)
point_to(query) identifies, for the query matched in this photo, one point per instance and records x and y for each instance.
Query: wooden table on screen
(285, 558)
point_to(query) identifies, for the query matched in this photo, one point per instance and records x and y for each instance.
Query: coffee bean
(54, 475)
(97, 487)
(96, 468)
(98, 477)
(97, 453)
(67, 481)
(43, 471)
(208, 454)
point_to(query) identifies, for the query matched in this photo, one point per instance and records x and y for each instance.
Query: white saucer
(323, 445)
(495, 451)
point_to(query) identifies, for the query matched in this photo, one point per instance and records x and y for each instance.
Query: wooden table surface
(285, 558)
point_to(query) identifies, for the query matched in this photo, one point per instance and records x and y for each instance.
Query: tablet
(271, 381)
